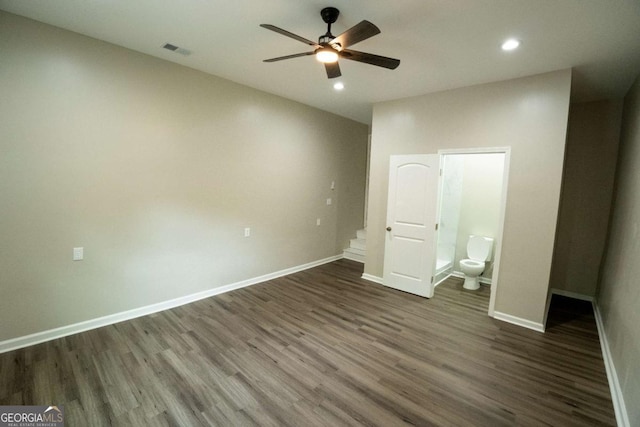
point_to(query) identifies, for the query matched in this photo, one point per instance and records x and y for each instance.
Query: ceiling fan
(330, 48)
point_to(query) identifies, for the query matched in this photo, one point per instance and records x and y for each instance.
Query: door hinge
(436, 226)
(431, 279)
(440, 172)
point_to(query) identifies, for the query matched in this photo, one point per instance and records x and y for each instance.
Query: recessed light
(510, 44)
(338, 86)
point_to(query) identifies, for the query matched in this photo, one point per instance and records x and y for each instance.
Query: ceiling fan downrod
(329, 16)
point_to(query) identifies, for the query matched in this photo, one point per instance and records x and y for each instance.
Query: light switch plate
(328, 201)
(78, 254)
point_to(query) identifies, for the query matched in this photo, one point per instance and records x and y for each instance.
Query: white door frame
(366, 182)
(503, 209)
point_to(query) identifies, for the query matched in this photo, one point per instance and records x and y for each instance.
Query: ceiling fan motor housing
(325, 39)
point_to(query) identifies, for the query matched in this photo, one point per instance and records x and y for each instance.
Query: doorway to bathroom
(471, 202)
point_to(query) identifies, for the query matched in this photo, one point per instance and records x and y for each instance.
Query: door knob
(388, 228)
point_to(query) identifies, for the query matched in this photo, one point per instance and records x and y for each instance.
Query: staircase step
(362, 234)
(353, 255)
(356, 251)
(359, 244)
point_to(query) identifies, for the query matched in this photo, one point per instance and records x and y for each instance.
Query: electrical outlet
(247, 232)
(328, 201)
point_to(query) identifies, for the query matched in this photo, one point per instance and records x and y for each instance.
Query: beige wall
(155, 169)
(527, 114)
(587, 186)
(618, 297)
(480, 207)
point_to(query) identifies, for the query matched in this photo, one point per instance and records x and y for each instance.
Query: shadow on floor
(564, 310)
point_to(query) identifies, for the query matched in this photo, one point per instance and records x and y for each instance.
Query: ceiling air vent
(177, 49)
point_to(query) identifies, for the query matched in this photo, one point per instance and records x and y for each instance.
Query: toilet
(479, 251)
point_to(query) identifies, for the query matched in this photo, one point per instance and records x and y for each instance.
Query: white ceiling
(442, 44)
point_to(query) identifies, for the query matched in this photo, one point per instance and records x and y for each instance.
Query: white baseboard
(622, 417)
(481, 279)
(441, 281)
(539, 327)
(63, 331)
(377, 279)
(372, 278)
(570, 294)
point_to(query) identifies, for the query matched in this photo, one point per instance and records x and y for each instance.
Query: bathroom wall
(529, 115)
(155, 169)
(480, 207)
(585, 203)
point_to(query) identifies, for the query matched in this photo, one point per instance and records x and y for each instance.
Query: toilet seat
(472, 263)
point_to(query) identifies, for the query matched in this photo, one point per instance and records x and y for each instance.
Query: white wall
(480, 207)
(155, 169)
(618, 296)
(527, 114)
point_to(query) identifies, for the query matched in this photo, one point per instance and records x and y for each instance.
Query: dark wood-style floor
(322, 347)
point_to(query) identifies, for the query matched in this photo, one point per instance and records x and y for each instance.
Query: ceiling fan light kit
(329, 49)
(326, 54)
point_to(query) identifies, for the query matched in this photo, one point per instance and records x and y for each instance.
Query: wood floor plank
(322, 347)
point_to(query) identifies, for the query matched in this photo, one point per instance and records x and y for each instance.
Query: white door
(411, 222)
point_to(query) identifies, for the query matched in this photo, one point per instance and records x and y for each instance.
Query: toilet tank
(480, 248)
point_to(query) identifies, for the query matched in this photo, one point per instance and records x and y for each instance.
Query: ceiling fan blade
(356, 34)
(295, 55)
(333, 69)
(370, 58)
(288, 34)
